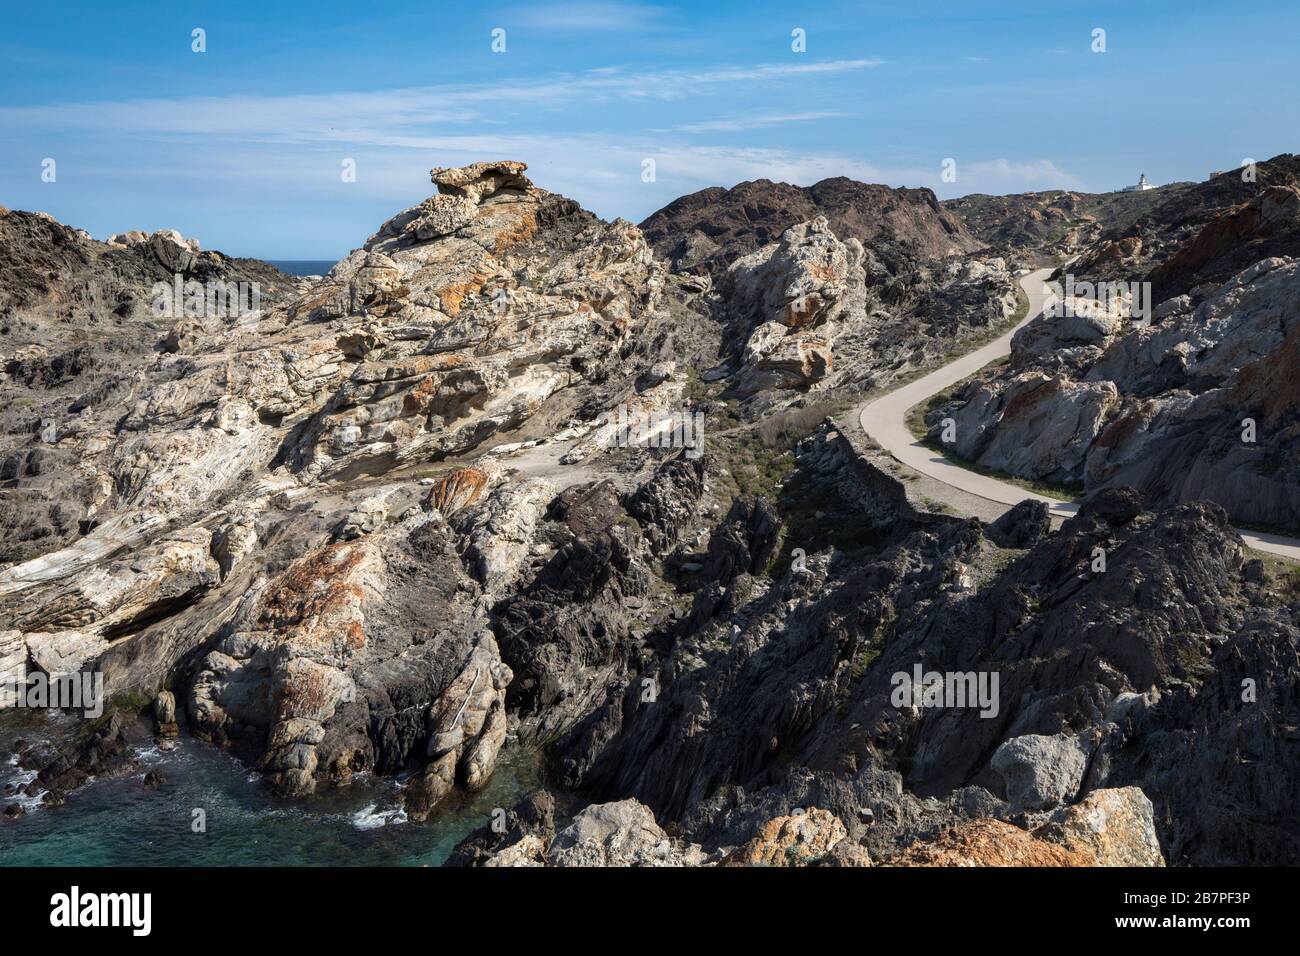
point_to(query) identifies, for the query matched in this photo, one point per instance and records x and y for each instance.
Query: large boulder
(1117, 826)
(1040, 771)
(1022, 526)
(623, 833)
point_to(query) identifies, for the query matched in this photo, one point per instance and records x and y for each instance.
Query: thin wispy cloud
(585, 17)
(741, 123)
(346, 116)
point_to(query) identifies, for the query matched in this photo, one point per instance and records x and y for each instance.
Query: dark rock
(1114, 506)
(532, 816)
(1253, 571)
(708, 230)
(664, 505)
(1021, 527)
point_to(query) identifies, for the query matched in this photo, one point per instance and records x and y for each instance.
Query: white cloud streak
(741, 123)
(352, 116)
(585, 17)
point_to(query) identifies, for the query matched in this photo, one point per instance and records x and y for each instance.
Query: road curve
(884, 420)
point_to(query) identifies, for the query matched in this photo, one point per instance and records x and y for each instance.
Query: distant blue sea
(303, 267)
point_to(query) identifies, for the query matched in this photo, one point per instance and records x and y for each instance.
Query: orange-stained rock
(457, 490)
(1107, 828)
(989, 843)
(796, 840)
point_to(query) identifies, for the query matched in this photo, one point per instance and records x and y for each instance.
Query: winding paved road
(884, 420)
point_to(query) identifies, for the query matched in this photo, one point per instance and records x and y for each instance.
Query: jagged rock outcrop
(412, 349)
(988, 843)
(1108, 828)
(1268, 226)
(837, 286)
(330, 632)
(77, 335)
(1022, 526)
(793, 292)
(1035, 426)
(567, 632)
(519, 839)
(870, 284)
(471, 310)
(780, 692)
(1159, 225)
(618, 834)
(805, 838)
(1041, 772)
(467, 727)
(359, 656)
(1116, 826)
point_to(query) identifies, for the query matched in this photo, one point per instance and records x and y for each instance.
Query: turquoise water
(121, 822)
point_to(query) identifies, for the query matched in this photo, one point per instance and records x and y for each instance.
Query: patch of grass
(1194, 664)
(874, 647)
(723, 411)
(992, 561)
(132, 701)
(1037, 603)
(1280, 574)
(935, 507)
(750, 469)
(785, 429)
(697, 391)
(863, 660)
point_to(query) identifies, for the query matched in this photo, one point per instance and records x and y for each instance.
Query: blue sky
(243, 145)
